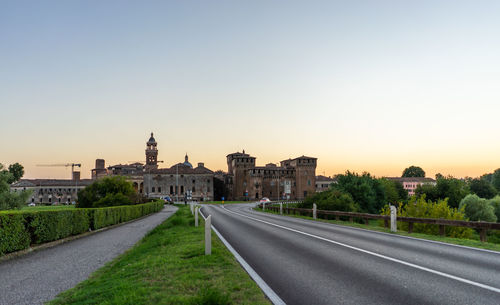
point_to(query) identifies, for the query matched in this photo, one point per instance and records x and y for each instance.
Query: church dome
(186, 162)
(151, 139)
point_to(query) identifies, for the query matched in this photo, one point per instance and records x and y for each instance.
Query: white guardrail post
(394, 224)
(208, 235)
(191, 207)
(196, 212)
(315, 210)
(281, 208)
(263, 206)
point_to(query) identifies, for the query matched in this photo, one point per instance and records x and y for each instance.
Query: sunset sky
(371, 86)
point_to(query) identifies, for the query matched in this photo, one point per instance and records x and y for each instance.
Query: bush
(20, 229)
(332, 200)
(478, 209)
(13, 233)
(420, 208)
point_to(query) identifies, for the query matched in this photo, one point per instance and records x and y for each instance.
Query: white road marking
(275, 299)
(494, 289)
(381, 233)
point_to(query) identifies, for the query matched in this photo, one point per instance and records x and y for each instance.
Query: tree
(413, 171)
(331, 200)
(17, 171)
(478, 209)
(495, 179)
(109, 191)
(394, 191)
(495, 203)
(364, 190)
(10, 200)
(446, 187)
(482, 188)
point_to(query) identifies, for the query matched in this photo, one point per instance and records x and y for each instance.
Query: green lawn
(375, 226)
(168, 266)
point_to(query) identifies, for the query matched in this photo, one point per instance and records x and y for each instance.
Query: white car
(264, 200)
(31, 204)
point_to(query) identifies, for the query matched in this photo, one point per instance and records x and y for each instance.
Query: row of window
(158, 189)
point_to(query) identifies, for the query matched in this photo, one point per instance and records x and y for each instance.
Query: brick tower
(151, 154)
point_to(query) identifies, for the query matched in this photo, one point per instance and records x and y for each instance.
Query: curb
(54, 243)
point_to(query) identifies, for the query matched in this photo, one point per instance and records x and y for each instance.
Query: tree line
(477, 198)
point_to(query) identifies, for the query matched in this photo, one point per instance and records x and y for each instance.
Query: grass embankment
(169, 266)
(374, 225)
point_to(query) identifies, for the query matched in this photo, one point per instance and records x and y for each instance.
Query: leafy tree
(495, 203)
(332, 200)
(495, 179)
(10, 200)
(394, 191)
(109, 191)
(478, 209)
(17, 171)
(482, 188)
(446, 187)
(365, 190)
(413, 171)
(428, 190)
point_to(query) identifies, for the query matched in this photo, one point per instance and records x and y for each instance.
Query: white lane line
(494, 289)
(275, 299)
(250, 209)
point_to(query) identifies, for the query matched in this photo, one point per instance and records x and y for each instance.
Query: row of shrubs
(19, 229)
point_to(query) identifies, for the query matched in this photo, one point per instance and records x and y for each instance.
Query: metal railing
(483, 227)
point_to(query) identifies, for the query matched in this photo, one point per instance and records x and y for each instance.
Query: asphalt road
(41, 275)
(307, 262)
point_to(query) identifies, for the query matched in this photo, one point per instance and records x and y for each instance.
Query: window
(208, 181)
(182, 189)
(193, 189)
(50, 199)
(159, 189)
(193, 181)
(308, 182)
(171, 189)
(153, 189)
(208, 189)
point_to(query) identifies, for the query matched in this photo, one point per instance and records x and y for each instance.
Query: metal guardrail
(481, 226)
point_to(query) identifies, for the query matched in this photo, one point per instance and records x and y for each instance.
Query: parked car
(168, 199)
(31, 204)
(264, 200)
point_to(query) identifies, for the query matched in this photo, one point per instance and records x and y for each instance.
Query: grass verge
(168, 266)
(374, 226)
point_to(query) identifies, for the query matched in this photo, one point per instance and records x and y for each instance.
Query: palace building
(293, 179)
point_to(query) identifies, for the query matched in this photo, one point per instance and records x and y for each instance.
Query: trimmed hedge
(20, 229)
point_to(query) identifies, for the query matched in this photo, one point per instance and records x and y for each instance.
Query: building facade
(51, 191)
(411, 183)
(323, 183)
(292, 179)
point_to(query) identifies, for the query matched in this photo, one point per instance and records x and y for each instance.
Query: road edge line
(268, 291)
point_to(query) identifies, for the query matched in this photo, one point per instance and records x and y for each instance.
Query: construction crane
(143, 161)
(65, 165)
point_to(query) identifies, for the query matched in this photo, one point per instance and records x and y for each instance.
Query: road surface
(308, 262)
(41, 275)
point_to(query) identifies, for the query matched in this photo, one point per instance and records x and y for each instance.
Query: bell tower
(151, 154)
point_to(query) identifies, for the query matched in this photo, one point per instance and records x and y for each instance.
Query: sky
(371, 86)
